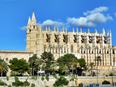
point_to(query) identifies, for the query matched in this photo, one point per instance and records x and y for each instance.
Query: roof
(13, 51)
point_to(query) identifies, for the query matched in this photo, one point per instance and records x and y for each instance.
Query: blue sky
(14, 16)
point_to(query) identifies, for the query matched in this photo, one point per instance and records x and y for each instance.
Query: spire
(63, 29)
(29, 21)
(33, 18)
(88, 30)
(66, 30)
(77, 30)
(49, 29)
(46, 28)
(55, 29)
(104, 31)
(81, 30)
(73, 30)
(95, 30)
(110, 32)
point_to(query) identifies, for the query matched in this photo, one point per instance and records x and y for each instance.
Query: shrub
(42, 78)
(2, 83)
(26, 83)
(34, 78)
(7, 78)
(61, 82)
(20, 83)
(9, 86)
(47, 78)
(105, 82)
(32, 85)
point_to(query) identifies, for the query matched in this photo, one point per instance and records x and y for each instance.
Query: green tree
(82, 63)
(19, 66)
(34, 63)
(61, 82)
(68, 61)
(48, 60)
(3, 67)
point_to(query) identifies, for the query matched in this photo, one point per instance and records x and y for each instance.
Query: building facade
(93, 47)
(8, 55)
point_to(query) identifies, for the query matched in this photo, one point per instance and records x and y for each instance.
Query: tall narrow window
(75, 38)
(65, 38)
(48, 37)
(71, 48)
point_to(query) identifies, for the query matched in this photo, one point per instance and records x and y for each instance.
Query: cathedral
(94, 47)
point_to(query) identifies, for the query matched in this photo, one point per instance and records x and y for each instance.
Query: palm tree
(3, 67)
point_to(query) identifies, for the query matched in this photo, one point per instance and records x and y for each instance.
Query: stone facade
(93, 47)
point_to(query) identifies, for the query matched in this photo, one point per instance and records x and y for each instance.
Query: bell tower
(32, 34)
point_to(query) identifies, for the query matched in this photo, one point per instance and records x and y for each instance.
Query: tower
(33, 34)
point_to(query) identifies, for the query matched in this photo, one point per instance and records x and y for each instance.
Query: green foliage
(35, 64)
(9, 86)
(32, 85)
(55, 76)
(82, 63)
(47, 78)
(2, 83)
(34, 77)
(67, 59)
(7, 78)
(67, 62)
(42, 78)
(20, 83)
(61, 82)
(105, 82)
(17, 82)
(26, 83)
(19, 66)
(48, 59)
(47, 56)
(3, 66)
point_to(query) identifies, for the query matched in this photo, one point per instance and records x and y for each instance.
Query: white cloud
(91, 18)
(98, 17)
(51, 23)
(82, 21)
(97, 10)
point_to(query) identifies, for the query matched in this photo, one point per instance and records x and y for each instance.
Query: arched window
(92, 51)
(107, 51)
(84, 51)
(100, 51)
